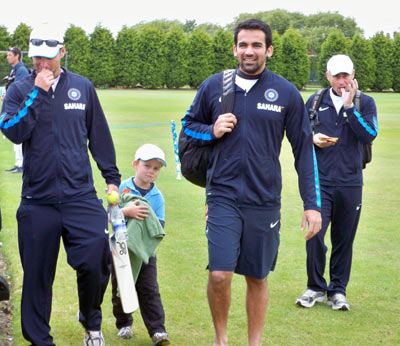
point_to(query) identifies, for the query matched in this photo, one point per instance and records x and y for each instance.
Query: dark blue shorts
(242, 239)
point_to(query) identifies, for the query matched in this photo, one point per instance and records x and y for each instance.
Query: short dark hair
(254, 24)
(15, 51)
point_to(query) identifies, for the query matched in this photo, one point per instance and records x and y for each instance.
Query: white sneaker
(93, 338)
(338, 302)
(125, 333)
(310, 297)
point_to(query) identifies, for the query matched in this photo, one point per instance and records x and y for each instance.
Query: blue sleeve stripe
(196, 135)
(316, 177)
(21, 113)
(374, 131)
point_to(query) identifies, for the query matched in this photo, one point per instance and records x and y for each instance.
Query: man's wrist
(348, 107)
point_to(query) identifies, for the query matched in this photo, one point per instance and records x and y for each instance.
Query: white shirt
(245, 84)
(337, 101)
(54, 86)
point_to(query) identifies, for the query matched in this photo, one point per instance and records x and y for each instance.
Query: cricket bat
(123, 271)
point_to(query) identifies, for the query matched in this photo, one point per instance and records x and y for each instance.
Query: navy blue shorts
(242, 239)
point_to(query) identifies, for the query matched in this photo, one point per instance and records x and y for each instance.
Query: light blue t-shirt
(154, 197)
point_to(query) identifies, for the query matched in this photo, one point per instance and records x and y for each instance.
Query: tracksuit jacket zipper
(56, 144)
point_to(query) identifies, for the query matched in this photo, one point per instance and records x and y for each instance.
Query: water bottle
(118, 223)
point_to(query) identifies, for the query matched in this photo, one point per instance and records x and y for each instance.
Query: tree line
(170, 54)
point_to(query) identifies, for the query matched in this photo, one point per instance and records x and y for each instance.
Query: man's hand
(348, 93)
(225, 123)
(135, 211)
(111, 188)
(44, 79)
(323, 141)
(313, 218)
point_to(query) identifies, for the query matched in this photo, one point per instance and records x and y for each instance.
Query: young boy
(148, 162)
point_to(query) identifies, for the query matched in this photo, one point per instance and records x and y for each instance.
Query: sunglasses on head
(49, 43)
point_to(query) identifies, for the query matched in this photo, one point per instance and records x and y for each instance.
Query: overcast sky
(371, 16)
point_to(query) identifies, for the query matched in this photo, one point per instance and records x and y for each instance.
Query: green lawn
(373, 292)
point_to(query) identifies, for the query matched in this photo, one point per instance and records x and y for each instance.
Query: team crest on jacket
(74, 94)
(271, 95)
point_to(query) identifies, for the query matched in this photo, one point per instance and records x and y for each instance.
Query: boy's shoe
(310, 297)
(93, 338)
(160, 339)
(338, 302)
(125, 333)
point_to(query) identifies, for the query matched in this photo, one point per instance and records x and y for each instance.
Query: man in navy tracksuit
(340, 171)
(18, 72)
(244, 196)
(56, 114)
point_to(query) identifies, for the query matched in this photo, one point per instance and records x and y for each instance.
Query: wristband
(348, 107)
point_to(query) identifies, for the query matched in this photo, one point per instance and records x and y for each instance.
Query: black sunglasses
(49, 43)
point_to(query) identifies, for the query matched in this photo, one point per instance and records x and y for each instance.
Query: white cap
(150, 151)
(46, 31)
(339, 64)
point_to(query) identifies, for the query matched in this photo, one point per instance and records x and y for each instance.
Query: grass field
(374, 289)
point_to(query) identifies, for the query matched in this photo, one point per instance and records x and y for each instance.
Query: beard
(251, 69)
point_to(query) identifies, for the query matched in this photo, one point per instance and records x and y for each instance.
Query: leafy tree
(189, 26)
(101, 57)
(333, 20)
(222, 45)
(150, 57)
(279, 20)
(362, 55)
(382, 47)
(176, 56)
(78, 47)
(296, 66)
(5, 39)
(209, 28)
(335, 43)
(127, 63)
(164, 25)
(315, 37)
(275, 62)
(20, 37)
(396, 63)
(200, 57)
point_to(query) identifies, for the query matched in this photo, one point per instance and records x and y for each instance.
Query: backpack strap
(227, 103)
(313, 111)
(358, 100)
(228, 91)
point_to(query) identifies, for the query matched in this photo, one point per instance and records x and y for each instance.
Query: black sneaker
(17, 170)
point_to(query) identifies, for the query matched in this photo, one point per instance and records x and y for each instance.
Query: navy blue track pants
(341, 207)
(83, 227)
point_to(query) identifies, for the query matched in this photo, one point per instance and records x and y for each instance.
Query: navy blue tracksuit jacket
(55, 130)
(248, 171)
(341, 164)
(58, 196)
(341, 178)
